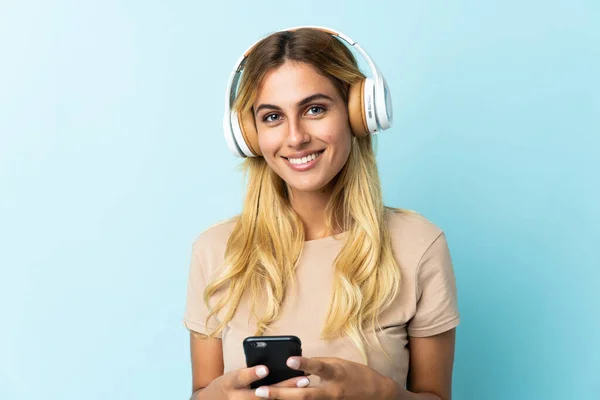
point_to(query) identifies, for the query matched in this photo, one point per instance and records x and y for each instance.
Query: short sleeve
(437, 303)
(196, 309)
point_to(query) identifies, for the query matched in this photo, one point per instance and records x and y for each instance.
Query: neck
(310, 207)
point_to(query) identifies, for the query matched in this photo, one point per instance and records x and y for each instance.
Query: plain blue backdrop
(112, 161)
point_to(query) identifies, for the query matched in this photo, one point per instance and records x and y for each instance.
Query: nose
(297, 134)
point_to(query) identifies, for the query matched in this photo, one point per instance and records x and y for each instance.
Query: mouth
(304, 163)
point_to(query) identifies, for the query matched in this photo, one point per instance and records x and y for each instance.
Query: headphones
(369, 103)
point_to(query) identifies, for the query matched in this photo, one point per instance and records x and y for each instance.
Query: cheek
(338, 133)
(269, 146)
(342, 140)
(334, 135)
(265, 142)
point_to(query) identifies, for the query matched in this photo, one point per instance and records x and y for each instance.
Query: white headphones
(369, 103)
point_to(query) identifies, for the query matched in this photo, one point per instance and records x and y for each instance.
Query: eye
(271, 118)
(314, 110)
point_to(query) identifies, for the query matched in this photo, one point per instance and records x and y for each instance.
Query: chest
(304, 313)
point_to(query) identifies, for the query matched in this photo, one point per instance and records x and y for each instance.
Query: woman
(314, 253)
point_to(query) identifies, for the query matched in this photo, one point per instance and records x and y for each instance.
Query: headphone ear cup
(228, 131)
(356, 109)
(248, 129)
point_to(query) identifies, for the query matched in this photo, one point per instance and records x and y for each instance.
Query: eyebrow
(318, 96)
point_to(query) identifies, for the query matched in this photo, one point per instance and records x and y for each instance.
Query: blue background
(112, 161)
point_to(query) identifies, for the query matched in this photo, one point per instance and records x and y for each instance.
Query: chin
(308, 187)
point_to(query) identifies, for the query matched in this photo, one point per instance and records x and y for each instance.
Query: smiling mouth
(304, 160)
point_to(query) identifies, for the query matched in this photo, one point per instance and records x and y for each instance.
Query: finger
(244, 377)
(282, 393)
(297, 382)
(313, 366)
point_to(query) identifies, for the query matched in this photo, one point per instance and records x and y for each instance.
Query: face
(303, 128)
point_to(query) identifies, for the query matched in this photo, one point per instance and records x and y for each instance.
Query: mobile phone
(272, 352)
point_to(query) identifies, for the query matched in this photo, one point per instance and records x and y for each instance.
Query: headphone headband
(230, 120)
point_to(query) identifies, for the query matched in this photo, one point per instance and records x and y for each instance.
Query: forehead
(292, 82)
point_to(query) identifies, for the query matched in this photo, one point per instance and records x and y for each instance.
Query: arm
(430, 370)
(431, 331)
(429, 378)
(207, 363)
(208, 380)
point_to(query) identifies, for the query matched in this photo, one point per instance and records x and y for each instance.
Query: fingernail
(262, 392)
(293, 363)
(261, 372)
(303, 382)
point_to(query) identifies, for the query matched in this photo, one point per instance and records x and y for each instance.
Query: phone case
(273, 352)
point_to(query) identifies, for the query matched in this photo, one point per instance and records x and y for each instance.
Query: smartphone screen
(272, 352)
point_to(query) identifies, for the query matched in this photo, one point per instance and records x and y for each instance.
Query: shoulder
(408, 225)
(216, 233)
(412, 235)
(209, 246)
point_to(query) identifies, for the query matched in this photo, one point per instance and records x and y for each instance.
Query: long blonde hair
(264, 247)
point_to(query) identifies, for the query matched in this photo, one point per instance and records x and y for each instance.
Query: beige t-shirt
(426, 304)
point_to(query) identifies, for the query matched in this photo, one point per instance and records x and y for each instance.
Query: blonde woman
(368, 289)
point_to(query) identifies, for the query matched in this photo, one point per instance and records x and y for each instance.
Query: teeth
(304, 160)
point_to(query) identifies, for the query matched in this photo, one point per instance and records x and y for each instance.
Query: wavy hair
(263, 250)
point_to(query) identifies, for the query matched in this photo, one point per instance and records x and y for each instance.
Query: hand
(339, 379)
(235, 385)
